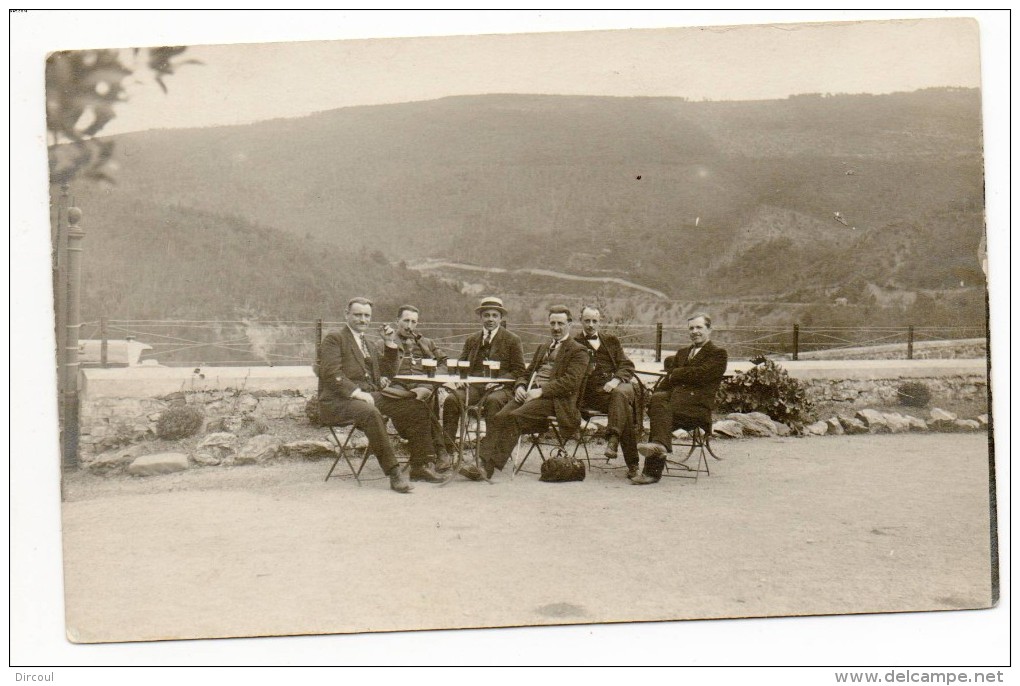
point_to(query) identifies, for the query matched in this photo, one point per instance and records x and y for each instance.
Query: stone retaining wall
(107, 423)
(867, 392)
(120, 407)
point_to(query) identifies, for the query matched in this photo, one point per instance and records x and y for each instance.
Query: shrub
(913, 394)
(179, 421)
(767, 388)
(312, 411)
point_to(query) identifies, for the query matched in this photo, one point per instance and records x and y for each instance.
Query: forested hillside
(149, 261)
(808, 195)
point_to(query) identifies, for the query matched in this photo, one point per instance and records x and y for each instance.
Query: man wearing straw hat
(492, 344)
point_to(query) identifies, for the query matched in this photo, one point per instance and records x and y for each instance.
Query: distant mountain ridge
(693, 199)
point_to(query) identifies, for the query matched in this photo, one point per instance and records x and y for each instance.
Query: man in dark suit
(352, 380)
(549, 386)
(686, 397)
(413, 349)
(493, 343)
(609, 388)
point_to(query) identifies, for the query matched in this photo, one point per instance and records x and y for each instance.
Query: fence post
(72, 325)
(910, 342)
(104, 345)
(796, 341)
(658, 341)
(318, 339)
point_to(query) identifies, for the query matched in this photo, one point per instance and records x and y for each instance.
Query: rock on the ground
(113, 460)
(982, 419)
(727, 428)
(258, 449)
(874, 420)
(939, 415)
(852, 425)
(897, 423)
(308, 449)
(754, 424)
(681, 435)
(817, 429)
(835, 426)
(782, 429)
(158, 463)
(967, 424)
(206, 457)
(916, 423)
(221, 439)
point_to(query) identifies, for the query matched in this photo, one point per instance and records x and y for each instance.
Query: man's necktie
(593, 337)
(694, 351)
(364, 346)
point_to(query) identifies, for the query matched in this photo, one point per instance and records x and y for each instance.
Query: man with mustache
(549, 387)
(353, 374)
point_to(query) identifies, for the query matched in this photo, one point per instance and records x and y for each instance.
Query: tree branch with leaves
(83, 89)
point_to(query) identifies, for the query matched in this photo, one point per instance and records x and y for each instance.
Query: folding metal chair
(535, 437)
(341, 449)
(698, 441)
(587, 414)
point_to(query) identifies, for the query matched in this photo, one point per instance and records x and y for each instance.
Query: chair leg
(342, 453)
(582, 443)
(535, 445)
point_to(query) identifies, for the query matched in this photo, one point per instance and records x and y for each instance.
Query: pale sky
(251, 82)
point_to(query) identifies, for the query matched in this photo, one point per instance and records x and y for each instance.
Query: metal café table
(454, 380)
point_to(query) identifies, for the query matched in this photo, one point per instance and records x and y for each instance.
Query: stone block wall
(107, 423)
(868, 392)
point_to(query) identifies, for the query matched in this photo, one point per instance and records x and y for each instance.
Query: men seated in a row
(685, 398)
(609, 388)
(354, 386)
(353, 375)
(492, 344)
(549, 387)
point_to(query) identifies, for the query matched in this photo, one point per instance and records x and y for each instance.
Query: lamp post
(72, 325)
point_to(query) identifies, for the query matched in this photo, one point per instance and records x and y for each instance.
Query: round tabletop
(440, 379)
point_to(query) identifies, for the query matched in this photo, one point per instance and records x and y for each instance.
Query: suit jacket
(564, 385)
(420, 347)
(343, 368)
(623, 368)
(506, 347)
(693, 384)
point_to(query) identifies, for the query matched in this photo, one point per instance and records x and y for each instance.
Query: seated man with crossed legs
(549, 387)
(686, 397)
(609, 388)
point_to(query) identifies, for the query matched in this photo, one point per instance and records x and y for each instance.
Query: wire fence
(203, 343)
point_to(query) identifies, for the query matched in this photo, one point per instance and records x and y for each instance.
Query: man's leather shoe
(632, 472)
(643, 480)
(426, 473)
(469, 471)
(612, 444)
(443, 462)
(399, 482)
(651, 449)
(490, 469)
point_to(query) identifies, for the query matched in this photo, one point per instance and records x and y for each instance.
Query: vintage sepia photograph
(538, 328)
